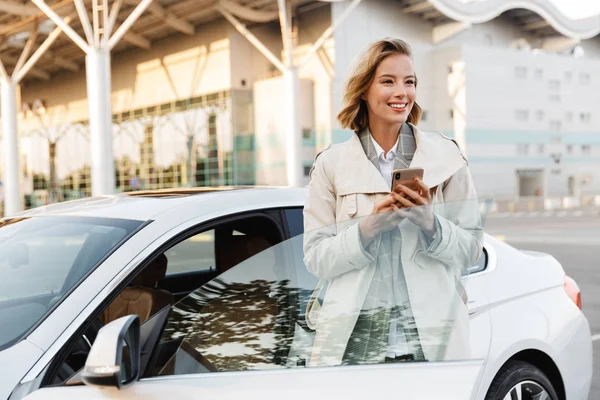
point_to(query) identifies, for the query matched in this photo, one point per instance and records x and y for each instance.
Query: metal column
(293, 136)
(10, 144)
(289, 68)
(13, 202)
(97, 48)
(97, 62)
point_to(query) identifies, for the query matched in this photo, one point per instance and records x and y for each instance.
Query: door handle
(472, 307)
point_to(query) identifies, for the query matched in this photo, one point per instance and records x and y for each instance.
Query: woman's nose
(399, 91)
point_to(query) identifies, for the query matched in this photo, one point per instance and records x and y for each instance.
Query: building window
(585, 117)
(554, 84)
(570, 149)
(584, 78)
(586, 148)
(554, 98)
(521, 72)
(539, 115)
(306, 133)
(424, 115)
(555, 140)
(522, 115)
(539, 73)
(569, 117)
(450, 70)
(451, 114)
(568, 76)
(523, 148)
(555, 125)
(541, 148)
(307, 170)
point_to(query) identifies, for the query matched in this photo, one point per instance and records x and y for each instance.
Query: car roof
(147, 205)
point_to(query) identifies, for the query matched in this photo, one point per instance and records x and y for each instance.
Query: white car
(148, 294)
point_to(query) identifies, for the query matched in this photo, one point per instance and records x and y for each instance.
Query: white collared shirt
(397, 344)
(386, 162)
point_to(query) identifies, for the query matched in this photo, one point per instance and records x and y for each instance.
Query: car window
(194, 254)
(295, 221)
(272, 310)
(479, 266)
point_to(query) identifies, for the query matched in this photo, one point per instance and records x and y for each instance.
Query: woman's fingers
(424, 188)
(418, 199)
(404, 202)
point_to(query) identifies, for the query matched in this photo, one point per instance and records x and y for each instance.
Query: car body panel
(454, 382)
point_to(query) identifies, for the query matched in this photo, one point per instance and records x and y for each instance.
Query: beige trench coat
(344, 186)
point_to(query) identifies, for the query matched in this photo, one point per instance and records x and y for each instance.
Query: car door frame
(107, 288)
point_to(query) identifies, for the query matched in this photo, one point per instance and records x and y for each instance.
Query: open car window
(292, 306)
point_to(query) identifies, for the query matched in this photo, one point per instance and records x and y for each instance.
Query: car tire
(521, 376)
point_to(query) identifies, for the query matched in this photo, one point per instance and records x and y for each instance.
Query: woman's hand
(414, 205)
(383, 218)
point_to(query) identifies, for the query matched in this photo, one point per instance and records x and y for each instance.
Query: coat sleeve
(458, 241)
(330, 249)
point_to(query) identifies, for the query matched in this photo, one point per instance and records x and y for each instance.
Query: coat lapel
(438, 155)
(358, 174)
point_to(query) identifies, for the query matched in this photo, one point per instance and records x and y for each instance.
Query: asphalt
(573, 238)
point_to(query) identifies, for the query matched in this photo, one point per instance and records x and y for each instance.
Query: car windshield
(42, 259)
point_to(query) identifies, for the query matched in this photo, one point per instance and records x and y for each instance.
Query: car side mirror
(114, 359)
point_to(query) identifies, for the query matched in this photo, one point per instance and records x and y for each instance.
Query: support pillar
(293, 136)
(97, 62)
(289, 68)
(10, 144)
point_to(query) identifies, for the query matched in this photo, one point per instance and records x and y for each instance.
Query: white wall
(269, 120)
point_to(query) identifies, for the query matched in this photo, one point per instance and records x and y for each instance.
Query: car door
(244, 333)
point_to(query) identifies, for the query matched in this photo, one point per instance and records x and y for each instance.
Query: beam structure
(170, 19)
(97, 48)
(11, 7)
(418, 8)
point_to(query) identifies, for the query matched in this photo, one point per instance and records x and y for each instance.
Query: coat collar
(437, 154)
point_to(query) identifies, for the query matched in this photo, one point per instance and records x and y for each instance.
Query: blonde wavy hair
(354, 115)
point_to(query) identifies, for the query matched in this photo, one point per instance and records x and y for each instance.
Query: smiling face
(392, 93)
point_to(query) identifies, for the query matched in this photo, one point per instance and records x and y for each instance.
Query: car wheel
(523, 381)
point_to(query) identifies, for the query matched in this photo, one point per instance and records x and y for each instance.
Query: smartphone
(406, 176)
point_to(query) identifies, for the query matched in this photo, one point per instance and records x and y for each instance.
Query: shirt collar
(379, 150)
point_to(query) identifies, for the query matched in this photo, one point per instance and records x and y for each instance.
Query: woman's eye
(410, 82)
(387, 81)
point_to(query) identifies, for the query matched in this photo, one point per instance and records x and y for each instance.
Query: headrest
(154, 272)
(240, 248)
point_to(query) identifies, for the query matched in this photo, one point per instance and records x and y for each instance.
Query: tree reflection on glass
(237, 326)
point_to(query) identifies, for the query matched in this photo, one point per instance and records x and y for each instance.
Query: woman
(395, 275)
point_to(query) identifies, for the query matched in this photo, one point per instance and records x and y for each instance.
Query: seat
(142, 297)
(239, 248)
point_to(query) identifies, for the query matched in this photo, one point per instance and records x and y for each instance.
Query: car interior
(153, 290)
